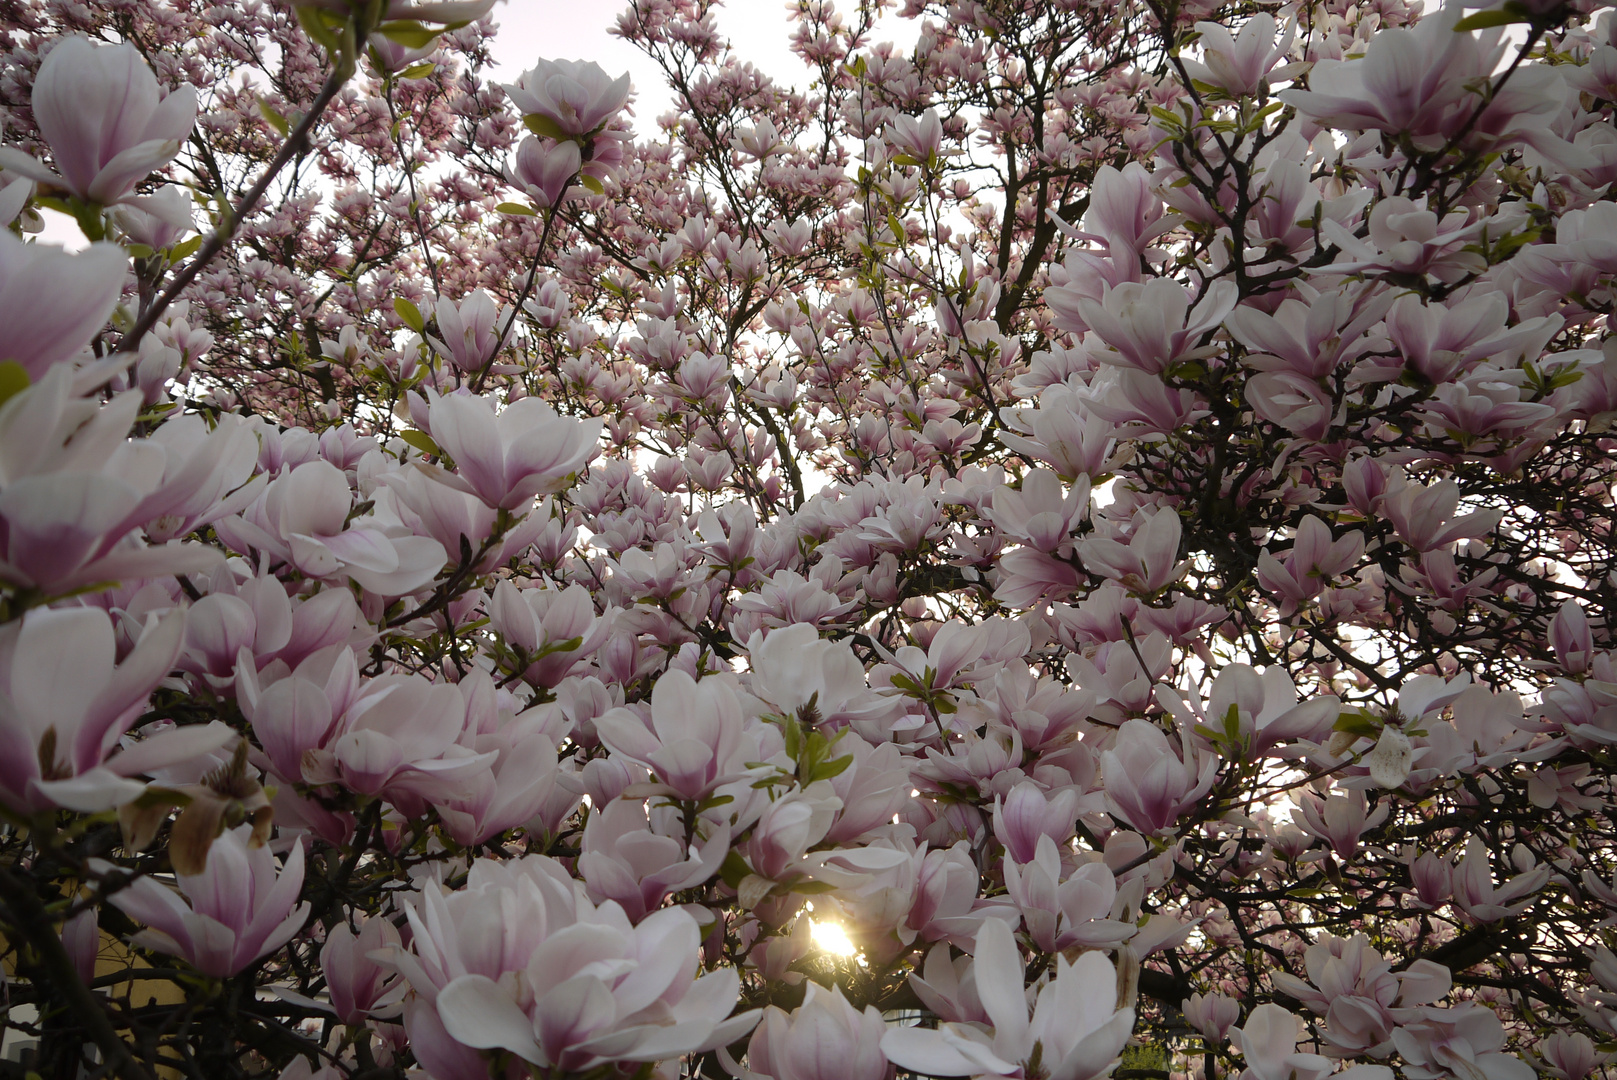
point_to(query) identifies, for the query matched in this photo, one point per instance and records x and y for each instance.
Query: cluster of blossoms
(1083, 545)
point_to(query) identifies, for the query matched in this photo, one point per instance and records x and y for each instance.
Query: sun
(833, 939)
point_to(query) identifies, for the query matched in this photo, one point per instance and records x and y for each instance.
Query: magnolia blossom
(303, 517)
(825, 1038)
(1147, 784)
(543, 170)
(52, 303)
(1148, 562)
(1075, 1030)
(106, 121)
(576, 97)
(521, 961)
(509, 458)
(624, 861)
(695, 740)
(357, 982)
(1237, 64)
(1064, 910)
(1268, 1041)
(65, 703)
(469, 330)
(239, 908)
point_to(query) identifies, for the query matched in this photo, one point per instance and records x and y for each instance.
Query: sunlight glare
(833, 939)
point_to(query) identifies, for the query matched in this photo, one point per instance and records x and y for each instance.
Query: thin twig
(235, 215)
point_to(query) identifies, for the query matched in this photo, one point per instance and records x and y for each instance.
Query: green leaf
(421, 441)
(519, 209)
(314, 23)
(1357, 723)
(410, 314)
(734, 869)
(544, 125)
(407, 32)
(13, 380)
(1504, 15)
(592, 184)
(185, 248)
(418, 71)
(274, 118)
(828, 769)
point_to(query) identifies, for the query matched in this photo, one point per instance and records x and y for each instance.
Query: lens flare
(833, 939)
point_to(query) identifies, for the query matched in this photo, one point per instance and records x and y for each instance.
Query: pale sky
(577, 30)
(759, 31)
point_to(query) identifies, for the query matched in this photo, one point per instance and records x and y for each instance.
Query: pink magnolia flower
(1409, 80)
(1439, 342)
(1238, 64)
(470, 330)
(1261, 709)
(946, 896)
(1299, 405)
(73, 490)
(355, 982)
(777, 848)
(1126, 396)
(1124, 212)
(1061, 913)
(1569, 1056)
(1212, 1014)
(576, 97)
(1570, 638)
(825, 1038)
(108, 125)
(53, 304)
(1040, 514)
(1478, 897)
(1075, 1028)
(424, 499)
(1314, 559)
(1064, 434)
(297, 711)
(554, 629)
(1268, 1042)
(625, 861)
(64, 703)
(1360, 995)
(816, 681)
(519, 777)
(918, 136)
(1147, 784)
(400, 735)
(304, 518)
(1152, 326)
(1407, 238)
(1424, 516)
(157, 221)
(1028, 814)
(1340, 818)
(694, 741)
(241, 907)
(510, 458)
(1150, 559)
(543, 171)
(1467, 1040)
(1308, 339)
(520, 960)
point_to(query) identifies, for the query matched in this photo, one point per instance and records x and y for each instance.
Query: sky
(577, 30)
(759, 31)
